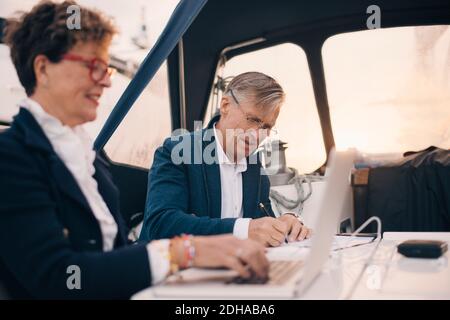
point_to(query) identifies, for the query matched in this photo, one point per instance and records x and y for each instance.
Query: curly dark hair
(44, 30)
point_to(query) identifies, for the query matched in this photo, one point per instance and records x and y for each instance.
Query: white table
(393, 276)
(388, 276)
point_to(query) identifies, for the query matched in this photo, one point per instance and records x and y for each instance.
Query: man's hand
(268, 231)
(297, 231)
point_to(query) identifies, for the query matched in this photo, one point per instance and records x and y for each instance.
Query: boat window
(145, 126)
(149, 120)
(298, 123)
(389, 89)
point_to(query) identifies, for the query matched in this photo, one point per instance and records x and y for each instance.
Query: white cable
(369, 260)
(365, 224)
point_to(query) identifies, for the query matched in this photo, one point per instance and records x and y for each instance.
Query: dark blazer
(186, 198)
(46, 225)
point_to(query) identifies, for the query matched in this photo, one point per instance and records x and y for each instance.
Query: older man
(210, 181)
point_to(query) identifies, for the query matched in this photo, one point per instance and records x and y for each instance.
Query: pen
(264, 210)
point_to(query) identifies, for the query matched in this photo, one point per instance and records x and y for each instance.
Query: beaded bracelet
(188, 253)
(189, 250)
(174, 267)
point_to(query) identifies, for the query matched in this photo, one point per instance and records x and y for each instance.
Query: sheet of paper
(339, 242)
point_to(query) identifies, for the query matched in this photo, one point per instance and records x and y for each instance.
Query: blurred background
(388, 89)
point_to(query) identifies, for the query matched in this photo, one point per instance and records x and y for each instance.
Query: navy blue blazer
(186, 197)
(46, 225)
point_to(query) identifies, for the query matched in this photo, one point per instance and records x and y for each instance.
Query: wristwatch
(295, 215)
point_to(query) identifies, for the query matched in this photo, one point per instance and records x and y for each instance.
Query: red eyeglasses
(98, 69)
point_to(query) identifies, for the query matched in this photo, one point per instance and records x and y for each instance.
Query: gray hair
(262, 90)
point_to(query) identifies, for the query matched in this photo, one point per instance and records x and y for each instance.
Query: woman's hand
(247, 257)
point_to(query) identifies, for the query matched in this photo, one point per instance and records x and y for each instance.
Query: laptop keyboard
(279, 273)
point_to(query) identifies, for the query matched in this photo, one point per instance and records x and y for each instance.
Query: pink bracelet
(189, 250)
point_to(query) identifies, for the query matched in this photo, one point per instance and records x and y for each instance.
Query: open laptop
(287, 279)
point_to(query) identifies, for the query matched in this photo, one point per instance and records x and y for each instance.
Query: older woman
(61, 233)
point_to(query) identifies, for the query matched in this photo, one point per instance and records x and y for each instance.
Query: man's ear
(40, 66)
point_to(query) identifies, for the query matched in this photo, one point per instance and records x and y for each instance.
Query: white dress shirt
(231, 189)
(75, 148)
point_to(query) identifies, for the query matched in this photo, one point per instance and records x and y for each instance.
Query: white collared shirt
(75, 148)
(231, 189)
